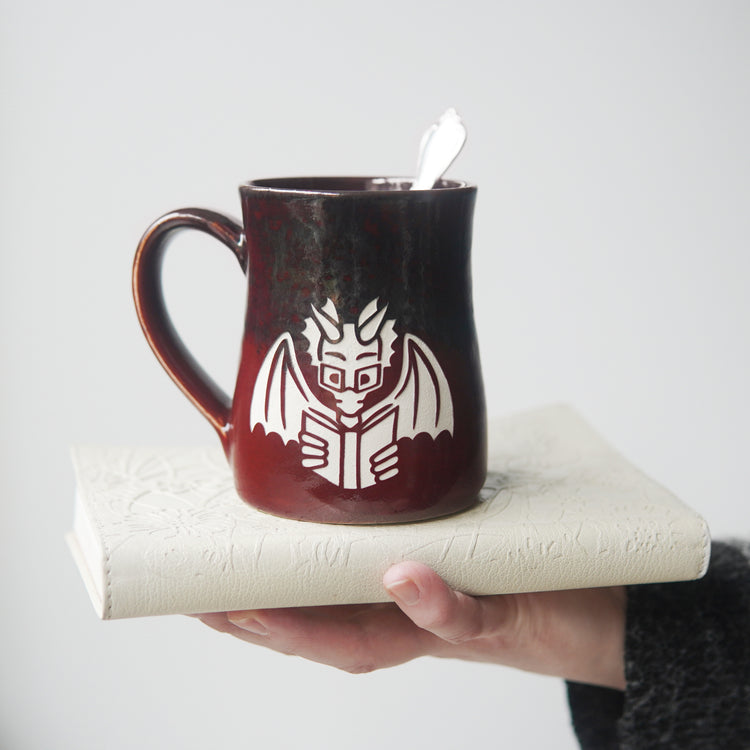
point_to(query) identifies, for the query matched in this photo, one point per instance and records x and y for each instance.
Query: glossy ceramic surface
(359, 396)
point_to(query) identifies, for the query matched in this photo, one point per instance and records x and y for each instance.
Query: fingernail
(405, 591)
(250, 624)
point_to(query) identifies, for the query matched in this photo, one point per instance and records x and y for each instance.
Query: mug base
(364, 515)
(436, 477)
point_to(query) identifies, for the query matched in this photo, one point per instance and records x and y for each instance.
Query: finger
(355, 638)
(386, 463)
(314, 463)
(389, 450)
(387, 474)
(218, 621)
(312, 450)
(310, 439)
(577, 635)
(450, 615)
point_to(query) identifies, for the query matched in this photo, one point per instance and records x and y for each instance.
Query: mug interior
(347, 184)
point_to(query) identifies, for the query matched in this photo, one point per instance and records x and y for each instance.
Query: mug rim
(349, 185)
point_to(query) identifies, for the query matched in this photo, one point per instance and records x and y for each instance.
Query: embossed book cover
(163, 531)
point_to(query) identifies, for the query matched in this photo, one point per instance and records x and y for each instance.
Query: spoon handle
(440, 145)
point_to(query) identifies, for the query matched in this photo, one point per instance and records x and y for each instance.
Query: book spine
(350, 459)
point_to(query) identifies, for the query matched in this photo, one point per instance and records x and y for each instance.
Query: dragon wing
(422, 394)
(281, 394)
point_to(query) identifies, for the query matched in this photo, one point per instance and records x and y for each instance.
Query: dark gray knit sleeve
(687, 666)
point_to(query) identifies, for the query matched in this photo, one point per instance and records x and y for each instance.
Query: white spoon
(439, 147)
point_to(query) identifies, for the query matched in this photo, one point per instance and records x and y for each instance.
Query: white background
(611, 264)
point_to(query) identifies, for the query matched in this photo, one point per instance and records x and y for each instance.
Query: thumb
(432, 605)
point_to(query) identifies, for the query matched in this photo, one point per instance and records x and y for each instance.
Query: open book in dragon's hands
(161, 531)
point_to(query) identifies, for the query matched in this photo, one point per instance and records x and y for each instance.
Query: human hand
(577, 635)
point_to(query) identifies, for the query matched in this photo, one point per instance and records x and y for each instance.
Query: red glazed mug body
(359, 396)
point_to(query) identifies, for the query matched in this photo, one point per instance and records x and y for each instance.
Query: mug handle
(157, 326)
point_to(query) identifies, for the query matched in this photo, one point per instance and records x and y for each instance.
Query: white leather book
(162, 530)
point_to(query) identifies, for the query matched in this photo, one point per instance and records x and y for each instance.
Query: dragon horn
(328, 322)
(370, 321)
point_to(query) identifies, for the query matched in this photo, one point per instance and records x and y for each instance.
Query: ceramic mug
(359, 395)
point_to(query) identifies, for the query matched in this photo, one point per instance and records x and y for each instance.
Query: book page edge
(79, 558)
